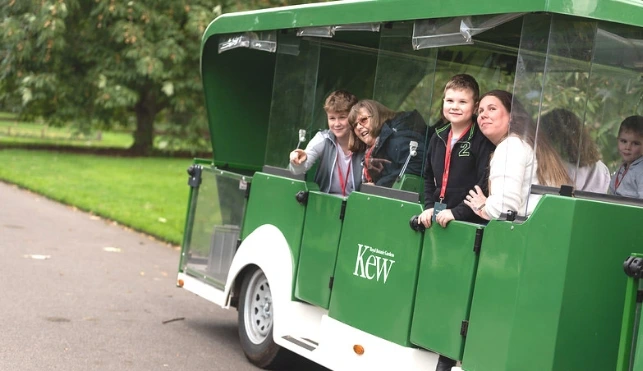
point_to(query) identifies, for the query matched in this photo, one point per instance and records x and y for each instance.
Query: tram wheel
(256, 321)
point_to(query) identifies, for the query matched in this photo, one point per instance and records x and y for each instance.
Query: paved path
(81, 293)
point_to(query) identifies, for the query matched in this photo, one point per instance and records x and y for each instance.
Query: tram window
(593, 83)
(305, 73)
(578, 79)
(293, 96)
(563, 109)
(527, 155)
(408, 79)
(615, 86)
(388, 70)
(398, 86)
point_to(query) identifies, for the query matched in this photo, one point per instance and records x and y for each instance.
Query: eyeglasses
(362, 121)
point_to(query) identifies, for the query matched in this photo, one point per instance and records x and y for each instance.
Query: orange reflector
(180, 283)
(358, 349)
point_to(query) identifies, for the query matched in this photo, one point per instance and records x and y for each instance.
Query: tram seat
(411, 183)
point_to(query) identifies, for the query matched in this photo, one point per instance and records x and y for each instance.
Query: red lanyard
(617, 181)
(367, 158)
(343, 181)
(447, 161)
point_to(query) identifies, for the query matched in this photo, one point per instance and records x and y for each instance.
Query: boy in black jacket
(457, 158)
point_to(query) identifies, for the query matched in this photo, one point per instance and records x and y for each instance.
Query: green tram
(351, 282)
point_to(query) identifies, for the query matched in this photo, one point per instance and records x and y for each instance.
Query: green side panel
(628, 324)
(347, 12)
(319, 246)
(238, 89)
(547, 296)
(377, 267)
(445, 287)
(638, 353)
(272, 201)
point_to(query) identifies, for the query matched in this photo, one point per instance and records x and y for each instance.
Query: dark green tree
(102, 63)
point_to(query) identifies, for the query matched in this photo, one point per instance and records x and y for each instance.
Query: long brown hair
(550, 171)
(379, 115)
(355, 144)
(566, 130)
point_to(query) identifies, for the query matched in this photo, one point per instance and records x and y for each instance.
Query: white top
(454, 140)
(631, 183)
(343, 165)
(512, 171)
(592, 178)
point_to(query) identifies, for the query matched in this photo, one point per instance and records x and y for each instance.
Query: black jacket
(469, 166)
(392, 148)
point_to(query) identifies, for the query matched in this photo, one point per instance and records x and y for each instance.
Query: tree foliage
(102, 63)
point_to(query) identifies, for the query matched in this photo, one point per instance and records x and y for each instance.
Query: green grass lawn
(13, 131)
(147, 194)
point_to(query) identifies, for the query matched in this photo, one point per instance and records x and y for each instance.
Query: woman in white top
(514, 167)
(578, 150)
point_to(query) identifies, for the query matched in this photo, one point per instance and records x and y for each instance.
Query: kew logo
(370, 265)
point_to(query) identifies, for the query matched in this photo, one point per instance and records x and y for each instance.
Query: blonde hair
(339, 101)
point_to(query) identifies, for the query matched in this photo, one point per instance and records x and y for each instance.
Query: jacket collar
(637, 161)
(443, 132)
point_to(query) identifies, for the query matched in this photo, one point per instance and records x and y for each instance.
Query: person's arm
(395, 151)
(639, 181)
(395, 155)
(313, 150)
(429, 186)
(429, 177)
(506, 176)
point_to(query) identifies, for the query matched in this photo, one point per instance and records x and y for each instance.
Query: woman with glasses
(386, 135)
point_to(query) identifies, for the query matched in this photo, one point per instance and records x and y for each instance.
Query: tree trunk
(144, 134)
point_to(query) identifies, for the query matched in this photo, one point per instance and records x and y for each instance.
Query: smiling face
(493, 119)
(338, 123)
(629, 146)
(364, 126)
(458, 107)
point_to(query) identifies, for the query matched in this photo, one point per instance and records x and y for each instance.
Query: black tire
(255, 323)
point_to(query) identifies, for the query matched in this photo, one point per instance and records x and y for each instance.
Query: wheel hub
(266, 308)
(258, 308)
